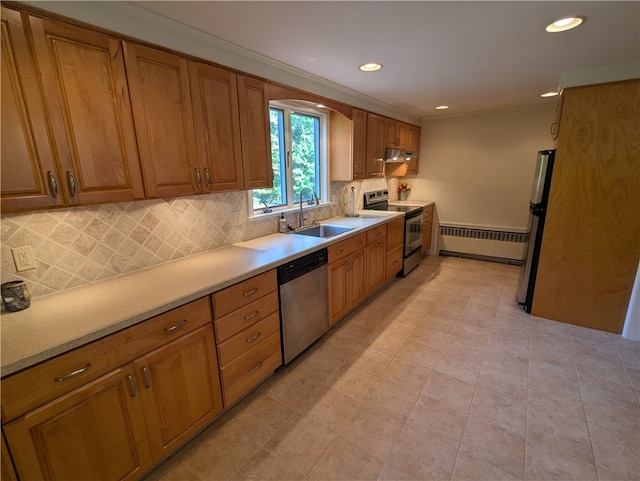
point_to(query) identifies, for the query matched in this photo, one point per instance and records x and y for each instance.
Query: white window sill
(285, 211)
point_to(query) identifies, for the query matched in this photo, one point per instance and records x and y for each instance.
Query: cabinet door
(253, 102)
(217, 123)
(359, 139)
(180, 389)
(413, 145)
(85, 89)
(376, 139)
(338, 283)
(27, 157)
(357, 278)
(427, 229)
(7, 473)
(94, 432)
(396, 134)
(161, 99)
(376, 262)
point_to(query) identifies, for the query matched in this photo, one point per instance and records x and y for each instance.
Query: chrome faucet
(317, 202)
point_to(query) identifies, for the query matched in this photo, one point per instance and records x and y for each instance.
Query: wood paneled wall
(591, 242)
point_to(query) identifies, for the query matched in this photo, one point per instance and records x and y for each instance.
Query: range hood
(398, 155)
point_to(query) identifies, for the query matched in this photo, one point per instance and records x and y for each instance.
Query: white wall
(479, 168)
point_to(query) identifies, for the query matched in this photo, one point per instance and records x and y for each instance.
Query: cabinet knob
(207, 177)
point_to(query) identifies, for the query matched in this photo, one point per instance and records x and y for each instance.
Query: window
(298, 154)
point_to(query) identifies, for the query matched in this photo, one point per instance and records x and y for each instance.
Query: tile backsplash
(81, 245)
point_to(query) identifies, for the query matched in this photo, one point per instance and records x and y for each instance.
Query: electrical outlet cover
(23, 258)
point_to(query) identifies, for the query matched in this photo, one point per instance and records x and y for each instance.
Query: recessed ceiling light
(549, 94)
(320, 106)
(442, 107)
(370, 67)
(565, 24)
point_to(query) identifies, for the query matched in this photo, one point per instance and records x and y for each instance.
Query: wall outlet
(23, 258)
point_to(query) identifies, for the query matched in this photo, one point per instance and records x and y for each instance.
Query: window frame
(322, 167)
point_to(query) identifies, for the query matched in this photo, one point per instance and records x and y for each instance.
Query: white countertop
(59, 322)
(412, 202)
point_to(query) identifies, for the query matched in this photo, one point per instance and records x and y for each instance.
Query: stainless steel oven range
(379, 200)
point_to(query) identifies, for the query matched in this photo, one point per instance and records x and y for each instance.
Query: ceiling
(472, 56)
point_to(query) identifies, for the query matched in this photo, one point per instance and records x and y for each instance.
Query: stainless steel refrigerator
(537, 214)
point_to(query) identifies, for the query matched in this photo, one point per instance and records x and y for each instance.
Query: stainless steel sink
(323, 230)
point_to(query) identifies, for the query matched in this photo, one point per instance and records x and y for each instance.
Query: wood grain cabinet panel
(161, 99)
(591, 240)
(427, 229)
(94, 432)
(217, 123)
(84, 88)
(180, 389)
(376, 140)
(346, 283)
(413, 145)
(86, 91)
(253, 102)
(27, 155)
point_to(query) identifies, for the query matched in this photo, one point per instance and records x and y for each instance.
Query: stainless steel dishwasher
(304, 310)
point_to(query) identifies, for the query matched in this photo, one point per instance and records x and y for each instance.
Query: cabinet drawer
(242, 293)
(35, 386)
(395, 234)
(347, 246)
(376, 233)
(250, 368)
(244, 317)
(394, 262)
(248, 338)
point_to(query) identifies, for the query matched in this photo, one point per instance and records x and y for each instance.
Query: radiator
(483, 243)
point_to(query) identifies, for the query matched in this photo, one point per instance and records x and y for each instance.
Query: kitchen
(186, 222)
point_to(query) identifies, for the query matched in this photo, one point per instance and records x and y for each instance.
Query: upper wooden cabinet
(413, 145)
(396, 134)
(253, 101)
(348, 145)
(84, 87)
(161, 98)
(27, 155)
(376, 139)
(217, 122)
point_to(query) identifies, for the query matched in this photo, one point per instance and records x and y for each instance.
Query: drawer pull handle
(339, 251)
(73, 187)
(176, 326)
(254, 369)
(250, 293)
(53, 184)
(132, 386)
(254, 337)
(252, 315)
(73, 374)
(377, 244)
(359, 242)
(147, 378)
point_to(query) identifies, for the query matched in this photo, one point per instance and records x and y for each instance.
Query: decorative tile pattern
(81, 245)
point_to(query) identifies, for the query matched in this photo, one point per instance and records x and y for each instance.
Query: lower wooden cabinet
(247, 323)
(116, 425)
(94, 432)
(376, 255)
(427, 228)
(346, 284)
(180, 390)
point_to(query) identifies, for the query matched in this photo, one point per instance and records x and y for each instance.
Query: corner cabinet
(114, 407)
(80, 73)
(348, 145)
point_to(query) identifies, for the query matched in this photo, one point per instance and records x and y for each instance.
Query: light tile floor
(442, 376)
